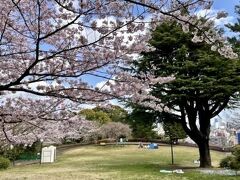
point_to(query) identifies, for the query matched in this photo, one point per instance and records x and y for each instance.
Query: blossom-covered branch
(25, 121)
(49, 48)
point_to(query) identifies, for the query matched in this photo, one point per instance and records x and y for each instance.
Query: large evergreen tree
(205, 82)
(172, 127)
(142, 121)
(105, 114)
(235, 28)
(115, 113)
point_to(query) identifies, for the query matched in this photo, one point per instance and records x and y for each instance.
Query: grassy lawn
(111, 162)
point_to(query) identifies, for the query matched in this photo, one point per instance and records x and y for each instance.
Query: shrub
(235, 164)
(232, 162)
(225, 163)
(236, 152)
(4, 163)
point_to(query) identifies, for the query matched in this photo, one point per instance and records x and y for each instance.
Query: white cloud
(207, 12)
(212, 14)
(32, 86)
(223, 21)
(102, 85)
(87, 106)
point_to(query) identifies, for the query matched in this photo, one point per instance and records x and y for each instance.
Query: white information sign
(48, 154)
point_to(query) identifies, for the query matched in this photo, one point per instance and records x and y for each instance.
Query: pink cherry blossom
(48, 47)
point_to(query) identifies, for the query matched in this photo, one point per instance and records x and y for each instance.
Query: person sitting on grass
(140, 145)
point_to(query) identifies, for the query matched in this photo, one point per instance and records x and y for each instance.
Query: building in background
(159, 129)
(223, 135)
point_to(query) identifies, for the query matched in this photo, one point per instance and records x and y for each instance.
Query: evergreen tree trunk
(204, 153)
(199, 135)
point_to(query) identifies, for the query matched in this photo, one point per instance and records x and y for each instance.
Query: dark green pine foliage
(235, 28)
(172, 126)
(205, 82)
(141, 121)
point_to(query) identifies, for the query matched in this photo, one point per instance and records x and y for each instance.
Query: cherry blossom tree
(55, 43)
(115, 130)
(49, 47)
(24, 121)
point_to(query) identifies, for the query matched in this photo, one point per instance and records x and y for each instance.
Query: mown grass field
(114, 162)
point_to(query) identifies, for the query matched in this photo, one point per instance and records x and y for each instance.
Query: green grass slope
(114, 162)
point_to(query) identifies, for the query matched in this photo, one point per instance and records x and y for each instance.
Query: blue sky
(227, 5)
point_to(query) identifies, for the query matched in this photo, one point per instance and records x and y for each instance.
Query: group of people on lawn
(148, 146)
